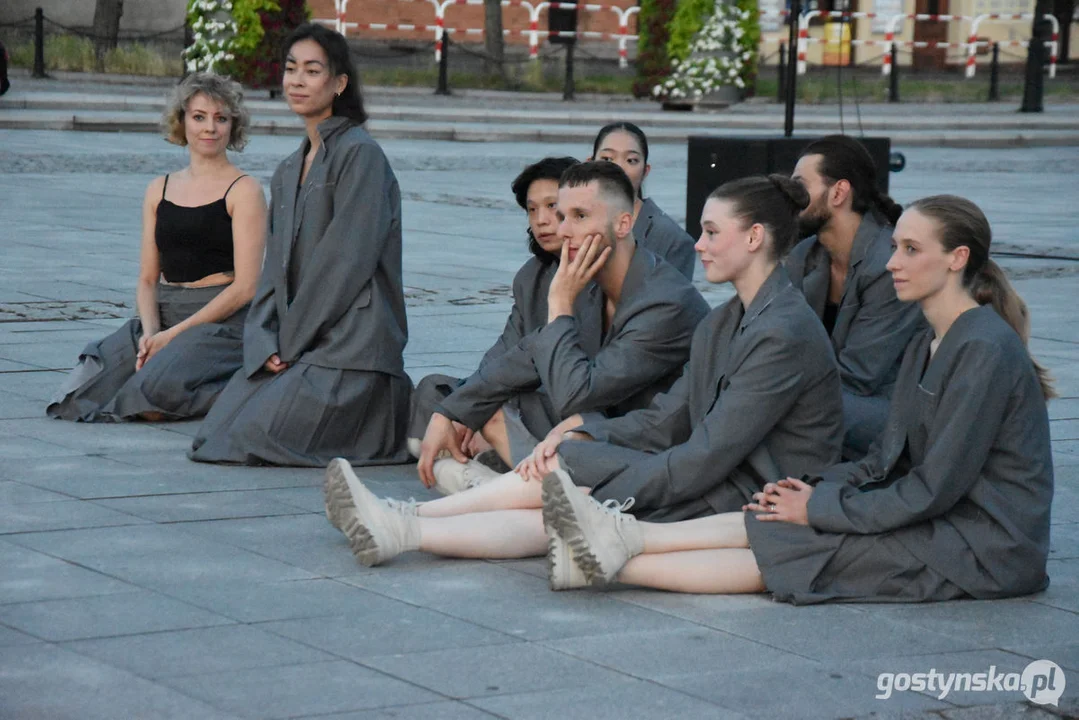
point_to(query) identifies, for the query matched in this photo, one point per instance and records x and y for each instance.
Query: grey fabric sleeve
(495, 382)
(260, 328)
(630, 362)
(365, 198)
(511, 335)
(965, 422)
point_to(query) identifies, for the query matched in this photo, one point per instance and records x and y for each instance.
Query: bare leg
(152, 417)
(727, 530)
(494, 432)
(508, 492)
(696, 571)
(492, 535)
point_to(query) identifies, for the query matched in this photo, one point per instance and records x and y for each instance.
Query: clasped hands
(151, 344)
(783, 501)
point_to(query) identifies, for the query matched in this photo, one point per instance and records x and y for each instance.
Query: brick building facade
(515, 18)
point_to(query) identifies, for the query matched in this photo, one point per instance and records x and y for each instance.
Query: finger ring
(772, 507)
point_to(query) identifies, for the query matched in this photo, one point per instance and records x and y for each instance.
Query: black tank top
(194, 242)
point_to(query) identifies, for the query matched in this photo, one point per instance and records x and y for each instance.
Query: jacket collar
(773, 285)
(868, 230)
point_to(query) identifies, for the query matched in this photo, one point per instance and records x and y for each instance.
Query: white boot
(452, 477)
(600, 537)
(377, 530)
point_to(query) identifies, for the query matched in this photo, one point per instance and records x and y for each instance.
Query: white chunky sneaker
(452, 477)
(601, 538)
(339, 505)
(377, 530)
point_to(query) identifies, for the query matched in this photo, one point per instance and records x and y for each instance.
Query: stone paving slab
(136, 583)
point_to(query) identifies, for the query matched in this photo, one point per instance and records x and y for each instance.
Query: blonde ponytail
(991, 287)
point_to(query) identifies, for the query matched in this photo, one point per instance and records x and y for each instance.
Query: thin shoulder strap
(164, 186)
(230, 186)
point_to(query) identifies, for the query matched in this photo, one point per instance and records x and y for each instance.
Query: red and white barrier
(803, 30)
(622, 36)
(894, 26)
(341, 25)
(973, 44)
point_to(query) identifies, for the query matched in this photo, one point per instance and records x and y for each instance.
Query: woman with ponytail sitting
(758, 400)
(952, 501)
(840, 266)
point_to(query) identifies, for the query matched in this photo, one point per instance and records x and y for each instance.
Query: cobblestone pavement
(136, 584)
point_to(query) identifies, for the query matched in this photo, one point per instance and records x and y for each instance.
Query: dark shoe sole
(558, 514)
(335, 491)
(341, 507)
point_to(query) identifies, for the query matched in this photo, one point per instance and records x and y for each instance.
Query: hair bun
(793, 190)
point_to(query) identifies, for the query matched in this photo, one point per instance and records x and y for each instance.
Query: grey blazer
(759, 400)
(872, 327)
(531, 285)
(580, 368)
(655, 230)
(963, 474)
(331, 292)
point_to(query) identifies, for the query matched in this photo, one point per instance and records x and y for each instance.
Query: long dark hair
(844, 158)
(773, 201)
(350, 102)
(963, 224)
(549, 168)
(624, 127)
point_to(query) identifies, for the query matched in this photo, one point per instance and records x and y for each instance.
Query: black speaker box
(713, 161)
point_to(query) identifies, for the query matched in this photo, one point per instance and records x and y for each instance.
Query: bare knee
(497, 424)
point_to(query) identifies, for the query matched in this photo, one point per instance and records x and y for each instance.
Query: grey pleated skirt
(594, 464)
(529, 416)
(181, 381)
(803, 566)
(305, 416)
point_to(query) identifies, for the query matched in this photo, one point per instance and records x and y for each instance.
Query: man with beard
(840, 267)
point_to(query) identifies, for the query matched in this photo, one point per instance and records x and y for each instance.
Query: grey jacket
(531, 285)
(758, 400)
(580, 368)
(331, 292)
(963, 474)
(872, 327)
(655, 230)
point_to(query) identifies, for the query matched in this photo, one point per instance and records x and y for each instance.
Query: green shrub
(691, 17)
(687, 22)
(263, 26)
(653, 65)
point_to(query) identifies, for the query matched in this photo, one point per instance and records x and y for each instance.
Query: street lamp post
(1034, 83)
(792, 67)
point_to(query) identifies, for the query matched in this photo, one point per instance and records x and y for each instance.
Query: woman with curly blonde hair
(203, 230)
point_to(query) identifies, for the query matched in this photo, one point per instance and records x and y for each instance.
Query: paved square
(136, 584)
